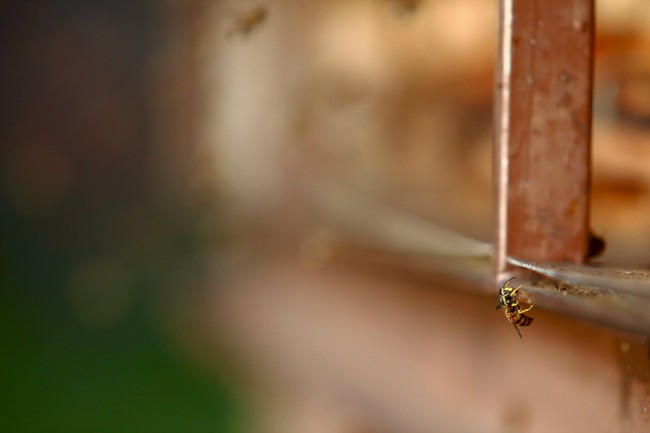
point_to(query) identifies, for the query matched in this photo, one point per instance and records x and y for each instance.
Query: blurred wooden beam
(543, 130)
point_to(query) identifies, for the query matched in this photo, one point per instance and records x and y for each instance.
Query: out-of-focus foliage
(91, 251)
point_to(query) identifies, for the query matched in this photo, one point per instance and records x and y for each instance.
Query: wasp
(509, 302)
(245, 22)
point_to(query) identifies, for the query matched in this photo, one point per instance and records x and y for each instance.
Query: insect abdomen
(523, 320)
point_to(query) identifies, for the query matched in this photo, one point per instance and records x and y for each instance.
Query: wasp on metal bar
(509, 302)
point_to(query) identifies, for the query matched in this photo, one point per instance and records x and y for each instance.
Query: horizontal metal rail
(610, 296)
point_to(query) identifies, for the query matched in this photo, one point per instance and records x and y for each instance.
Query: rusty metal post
(543, 130)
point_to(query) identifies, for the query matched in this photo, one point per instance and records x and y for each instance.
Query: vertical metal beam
(543, 130)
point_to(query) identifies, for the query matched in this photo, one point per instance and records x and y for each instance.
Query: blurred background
(96, 251)
(161, 168)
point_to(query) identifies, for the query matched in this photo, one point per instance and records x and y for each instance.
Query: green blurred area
(59, 374)
(123, 380)
(89, 249)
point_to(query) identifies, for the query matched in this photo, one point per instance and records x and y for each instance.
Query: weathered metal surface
(593, 304)
(543, 130)
(620, 280)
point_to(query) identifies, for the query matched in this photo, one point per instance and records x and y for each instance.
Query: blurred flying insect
(509, 302)
(405, 8)
(245, 22)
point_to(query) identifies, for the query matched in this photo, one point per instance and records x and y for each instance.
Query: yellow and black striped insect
(509, 302)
